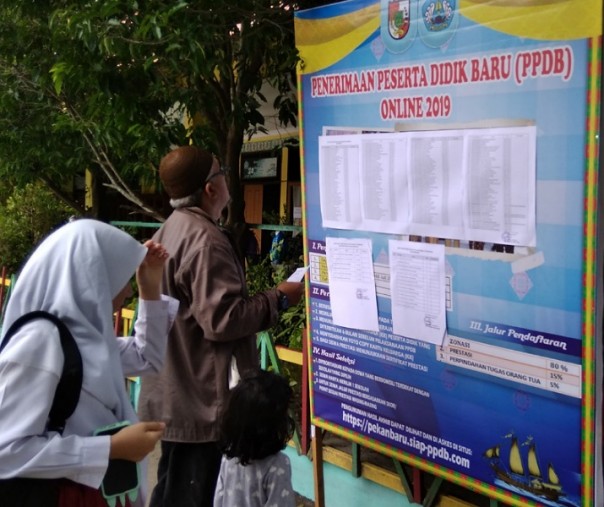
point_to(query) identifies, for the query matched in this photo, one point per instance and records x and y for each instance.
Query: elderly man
(213, 338)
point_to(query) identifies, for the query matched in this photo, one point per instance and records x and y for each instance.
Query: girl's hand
(149, 273)
(134, 442)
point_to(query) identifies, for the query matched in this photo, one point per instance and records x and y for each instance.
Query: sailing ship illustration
(524, 474)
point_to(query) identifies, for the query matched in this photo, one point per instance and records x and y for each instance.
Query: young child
(255, 428)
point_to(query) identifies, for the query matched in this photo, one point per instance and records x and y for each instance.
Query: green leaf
(58, 72)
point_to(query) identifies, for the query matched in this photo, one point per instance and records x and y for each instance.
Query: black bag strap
(68, 390)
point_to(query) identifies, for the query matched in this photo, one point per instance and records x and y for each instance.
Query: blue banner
(500, 400)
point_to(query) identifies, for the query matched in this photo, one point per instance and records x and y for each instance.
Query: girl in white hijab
(81, 274)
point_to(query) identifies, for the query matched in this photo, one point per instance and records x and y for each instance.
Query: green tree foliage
(26, 218)
(67, 103)
(267, 274)
(110, 85)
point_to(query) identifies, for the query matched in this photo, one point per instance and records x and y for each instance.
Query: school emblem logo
(439, 22)
(438, 14)
(399, 18)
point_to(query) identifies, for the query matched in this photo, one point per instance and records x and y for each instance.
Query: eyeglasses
(221, 171)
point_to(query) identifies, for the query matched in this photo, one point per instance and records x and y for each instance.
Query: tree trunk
(231, 157)
(236, 218)
(96, 193)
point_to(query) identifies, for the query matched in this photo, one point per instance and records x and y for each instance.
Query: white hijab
(74, 274)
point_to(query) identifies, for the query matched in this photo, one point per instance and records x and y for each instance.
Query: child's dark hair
(255, 422)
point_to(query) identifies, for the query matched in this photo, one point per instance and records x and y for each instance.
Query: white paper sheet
(384, 191)
(501, 185)
(417, 285)
(352, 283)
(298, 275)
(339, 181)
(436, 184)
(466, 184)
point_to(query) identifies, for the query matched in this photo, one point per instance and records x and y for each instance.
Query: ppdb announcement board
(450, 154)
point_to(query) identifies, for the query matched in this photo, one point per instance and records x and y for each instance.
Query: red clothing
(72, 494)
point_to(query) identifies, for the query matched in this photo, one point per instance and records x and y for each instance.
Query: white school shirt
(30, 368)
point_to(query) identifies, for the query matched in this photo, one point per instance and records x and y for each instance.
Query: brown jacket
(216, 320)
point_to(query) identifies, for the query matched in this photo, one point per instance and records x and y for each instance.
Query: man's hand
(293, 291)
(149, 273)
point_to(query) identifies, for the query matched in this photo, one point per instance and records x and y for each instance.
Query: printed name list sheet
(417, 284)
(471, 184)
(352, 283)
